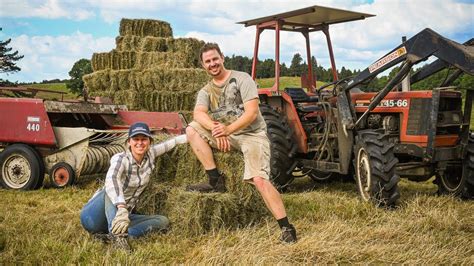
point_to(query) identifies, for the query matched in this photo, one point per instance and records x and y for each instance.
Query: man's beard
(219, 71)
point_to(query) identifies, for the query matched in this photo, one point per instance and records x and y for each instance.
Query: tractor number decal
(384, 103)
(393, 103)
(33, 123)
(387, 59)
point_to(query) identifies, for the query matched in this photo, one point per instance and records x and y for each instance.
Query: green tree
(295, 66)
(268, 68)
(8, 58)
(79, 69)
(284, 71)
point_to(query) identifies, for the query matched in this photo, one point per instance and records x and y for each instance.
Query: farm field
(334, 226)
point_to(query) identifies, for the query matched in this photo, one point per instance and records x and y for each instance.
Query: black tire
(42, 170)
(20, 168)
(321, 176)
(374, 164)
(62, 175)
(458, 180)
(282, 146)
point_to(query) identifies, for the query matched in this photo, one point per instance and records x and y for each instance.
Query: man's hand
(223, 144)
(220, 130)
(120, 222)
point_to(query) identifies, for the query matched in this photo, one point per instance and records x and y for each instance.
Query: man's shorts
(254, 146)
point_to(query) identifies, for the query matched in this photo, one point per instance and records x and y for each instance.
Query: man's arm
(202, 117)
(250, 114)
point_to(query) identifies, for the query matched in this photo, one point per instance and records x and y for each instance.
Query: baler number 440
(33, 127)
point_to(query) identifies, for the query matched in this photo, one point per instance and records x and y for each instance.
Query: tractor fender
(282, 102)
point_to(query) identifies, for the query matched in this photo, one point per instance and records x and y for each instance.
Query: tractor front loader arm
(411, 52)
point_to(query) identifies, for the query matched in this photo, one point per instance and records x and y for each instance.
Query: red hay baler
(66, 139)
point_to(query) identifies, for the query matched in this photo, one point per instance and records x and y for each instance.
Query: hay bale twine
(145, 27)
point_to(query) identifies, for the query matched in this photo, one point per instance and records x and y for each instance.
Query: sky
(54, 34)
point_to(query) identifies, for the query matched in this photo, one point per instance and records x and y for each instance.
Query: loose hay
(145, 27)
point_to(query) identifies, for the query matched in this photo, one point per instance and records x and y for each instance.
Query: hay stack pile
(193, 213)
(150, 70)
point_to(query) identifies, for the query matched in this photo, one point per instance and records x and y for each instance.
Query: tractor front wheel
(458, 180)
(20, 168)
(374, 165)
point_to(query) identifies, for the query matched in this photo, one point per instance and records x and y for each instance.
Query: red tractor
(375, 137)
(65, 139)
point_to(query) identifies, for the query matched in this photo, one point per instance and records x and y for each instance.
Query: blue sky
(53, 34)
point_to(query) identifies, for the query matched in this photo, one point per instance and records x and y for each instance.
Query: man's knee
(190, 132)
(259, 182)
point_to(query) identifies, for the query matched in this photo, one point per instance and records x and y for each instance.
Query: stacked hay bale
(150, 70)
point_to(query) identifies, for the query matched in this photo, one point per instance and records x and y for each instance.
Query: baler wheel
(374, 164)
(62, 175)
(20, 168)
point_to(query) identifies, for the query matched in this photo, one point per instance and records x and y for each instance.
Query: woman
(108, 214)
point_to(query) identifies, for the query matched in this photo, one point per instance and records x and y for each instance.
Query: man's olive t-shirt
(226, 103)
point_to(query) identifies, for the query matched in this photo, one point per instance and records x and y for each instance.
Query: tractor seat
(298, 95)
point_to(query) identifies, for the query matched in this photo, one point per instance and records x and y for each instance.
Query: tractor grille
(449, 116)
(419, 116)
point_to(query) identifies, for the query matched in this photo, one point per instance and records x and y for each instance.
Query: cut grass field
(333, 225)
(59, 87)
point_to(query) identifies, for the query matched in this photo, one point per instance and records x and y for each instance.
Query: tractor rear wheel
(374, 164)
(458, 180)
(20, 168)
(282, 146)
(62, 175)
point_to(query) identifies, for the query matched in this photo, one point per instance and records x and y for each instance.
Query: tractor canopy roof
(312, 17)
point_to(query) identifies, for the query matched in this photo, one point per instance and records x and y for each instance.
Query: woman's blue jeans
(98, 213)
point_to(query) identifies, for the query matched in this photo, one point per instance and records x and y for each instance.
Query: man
(227, 115)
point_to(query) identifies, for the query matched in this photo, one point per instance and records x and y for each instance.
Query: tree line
(298, 67)
(265, 69)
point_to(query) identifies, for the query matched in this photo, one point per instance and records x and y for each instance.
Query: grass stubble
(334, 226)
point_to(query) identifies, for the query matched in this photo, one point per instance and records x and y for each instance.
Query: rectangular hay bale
(145, 27)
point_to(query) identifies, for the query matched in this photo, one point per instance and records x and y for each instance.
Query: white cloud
(48, 57)
(50, 9)
(356, 44)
